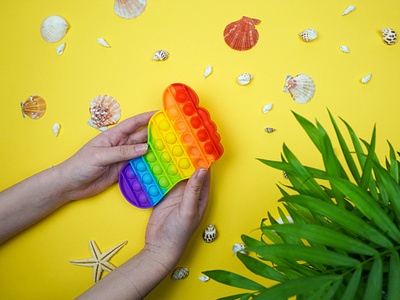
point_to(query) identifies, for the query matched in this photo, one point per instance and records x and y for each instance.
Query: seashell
(348, 10)
(56, 129)
(102, 42)
(366, 78)
(289, 218)
(344, 49)
(239, 248)
(60, 49)
(269, 129)
(53, 28)
(161, 55)
(301, 88)
(104, 111)
(308, 35)
(267, 108)
(389, 36)
(245, 78)
(180, 273)
(207, 71)
(204, 278)
(285, 175)
(242, 35)
(129, 9)
(34, 107)
(210, 234)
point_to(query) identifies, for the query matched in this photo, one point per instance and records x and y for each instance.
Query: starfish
(98, 261)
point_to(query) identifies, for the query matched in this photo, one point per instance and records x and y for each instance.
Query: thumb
(111, 155)
(192, 191)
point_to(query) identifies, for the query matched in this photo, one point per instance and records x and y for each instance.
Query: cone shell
(53, 28)
(161, 55)
(389, 36)
(301, 88)
(348, 10)
(129, 9)
(104, 111)
(242, 35)
(210, 234)
(269, 129)
(180, 273)
(34, 107)
(308, 35)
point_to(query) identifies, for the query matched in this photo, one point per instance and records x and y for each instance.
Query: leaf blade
(374, 283)
(233, 279)
(394, 276)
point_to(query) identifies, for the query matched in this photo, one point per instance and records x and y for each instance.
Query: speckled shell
(129, 9)
(161, 55)
(269, 129)
(210, 234)
(300, 87)
(180, 273)
(245, 79)
(285, 175)
(308, 35)
(389, 36)
(239, 247)
(34, 107)
(242, 35)
(53, 28)
(104, 111)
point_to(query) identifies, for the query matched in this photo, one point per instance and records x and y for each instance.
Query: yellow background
(34, 264)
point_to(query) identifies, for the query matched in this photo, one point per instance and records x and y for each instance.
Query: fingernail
(202, 173)
(141, 148)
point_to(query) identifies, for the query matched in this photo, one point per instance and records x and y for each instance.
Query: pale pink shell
(242, 35)
(300, 87)
(129, 9)
(104, 111)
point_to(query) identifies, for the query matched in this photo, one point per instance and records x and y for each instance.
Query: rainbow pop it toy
(181, 139)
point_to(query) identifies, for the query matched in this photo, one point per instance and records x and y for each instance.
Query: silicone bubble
(181, 139)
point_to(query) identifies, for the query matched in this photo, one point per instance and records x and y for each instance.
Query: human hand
(97, 164)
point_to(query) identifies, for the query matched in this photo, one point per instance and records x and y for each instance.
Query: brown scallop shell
(34, 107)
(104, 111)
(242, 35)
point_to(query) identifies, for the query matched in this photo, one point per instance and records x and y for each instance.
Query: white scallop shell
(267, 108)
(207, 71)
(53, 28)
(366, 78)
(239, 247)
(344, 49)
(245, 78)
(56, 129)
(210, 234)
(102, 42)
(129, 9)
(60, 49)
(308, 35)
(204, 278)
(180, 273)
(389, 36)
(269, 129)
(348, 10)
(161, 55)
(300, 87)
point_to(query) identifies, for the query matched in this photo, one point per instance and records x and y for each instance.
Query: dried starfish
(99, 261)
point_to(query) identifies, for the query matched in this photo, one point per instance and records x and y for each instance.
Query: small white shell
(269, 129)
(344, 49)
(129, 9)
(389, 36)
(53, 28)
(102, 42)
(239, 247)
(348, 10)
(267, 108)
(245, 78)
(207, 71)
(56, 129)
(204, 278)
(180, 273)
(366, 78)
(289, 218)
(210, 234)
(161, 55)
(308, 35)
(60, 49)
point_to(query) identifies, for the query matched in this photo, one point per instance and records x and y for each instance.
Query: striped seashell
(285, 175)
(269, 129)
(242, 35)
(180, 273)
(104, 111)
(34, 107)
(53, 28)
(129, 9)
(300, 87)
(389, 36)
(161, 55)
(210, 234)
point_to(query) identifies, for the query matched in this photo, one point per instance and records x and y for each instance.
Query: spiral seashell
(53, 28)
(207, 71)
(285, 175)
(60, 49)
(344, 49)
(34, 107)
(269, 129)
(161, 55)
(267, 108)
(204, 278)
(239, 247)
(389, 36)
(245, 78)
(242, 35)
(348, 10)
(102, 42)
(308, 35)
(104, 111)
(366, 78)
(180, 273)
(300, 87)
(129, 9)
(210, 234)
(56, 129)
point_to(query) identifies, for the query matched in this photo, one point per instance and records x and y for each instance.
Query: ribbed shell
(269, 129)
(180, 273)
(245, 79)
(53, 28)
(210, 234)
(161, 55)
(389, 36)
(34, 107)
(242, 35)
(129, 9)
(308, 35)
(301, 88)
(104, 111)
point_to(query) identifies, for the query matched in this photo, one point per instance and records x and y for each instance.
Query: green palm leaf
(238, 296)
(352, 286)
(233, 279)
(394, 277)
(374, 284)
(394, 167)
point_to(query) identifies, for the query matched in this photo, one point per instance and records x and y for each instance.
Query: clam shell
(102, 42)
(161, 55)
(204, 278)
(269, 129)
(300, 87)
(60, 49)
(344, 49)
(242, 35)
(53, 28)
(210, 234)
(245, 78)
(348, 10)
(239, 247)
(366, 78)
(180, 273)
(56, 129)
(104, 111)
(308, 35)
(34, 107)
(389, 36)
(129, 9)
(207, 71)
(267, 108)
